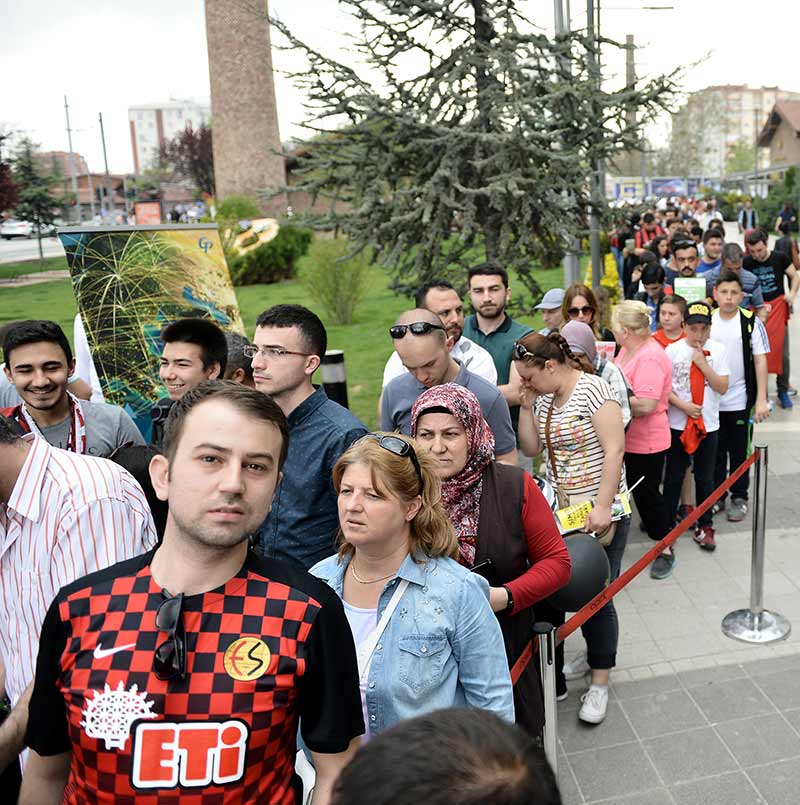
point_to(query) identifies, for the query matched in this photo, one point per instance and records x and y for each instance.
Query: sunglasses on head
(399, 447)
(417, 328)
(170, 657)
(574, 312)
(521, 352)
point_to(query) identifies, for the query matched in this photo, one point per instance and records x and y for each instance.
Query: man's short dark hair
(785, 227)
(756, 236)
(203, 332)
(422, 293)
(489, 269)
(247, 400)
(236, 357)
(677, 300)
(726, 275)
(714, 232)
(9, 431)
(462, 755)
(648, 218)
(682, 242)
(696, 231)
(732, 253)
(34, 331)
(652, 273)
(311, 328)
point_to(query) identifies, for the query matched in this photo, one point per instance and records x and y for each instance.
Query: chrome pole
(546, 640)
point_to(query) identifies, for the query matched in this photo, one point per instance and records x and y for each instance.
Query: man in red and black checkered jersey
(181, 675)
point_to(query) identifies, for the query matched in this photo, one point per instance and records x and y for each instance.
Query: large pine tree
(459, 132)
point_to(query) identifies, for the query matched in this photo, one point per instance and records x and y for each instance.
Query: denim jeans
(735, 432)
(703, 460)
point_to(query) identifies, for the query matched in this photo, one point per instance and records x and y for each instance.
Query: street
(19, 249)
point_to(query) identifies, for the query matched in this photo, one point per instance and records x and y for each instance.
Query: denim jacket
(442, 647)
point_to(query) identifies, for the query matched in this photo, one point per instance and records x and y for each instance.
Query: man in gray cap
(551, 310)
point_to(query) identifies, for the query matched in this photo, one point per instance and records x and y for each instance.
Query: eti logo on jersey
(190, 754)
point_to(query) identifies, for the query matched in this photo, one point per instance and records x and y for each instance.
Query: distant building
(716, 118)
(59, 162)
(781, 134)
(151, 124)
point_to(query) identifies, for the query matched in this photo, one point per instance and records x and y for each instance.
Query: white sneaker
(595, 703)
(576, 668)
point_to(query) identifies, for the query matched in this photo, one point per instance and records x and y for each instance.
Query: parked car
(16, 229)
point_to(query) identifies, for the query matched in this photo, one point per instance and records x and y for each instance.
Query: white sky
(108, 54)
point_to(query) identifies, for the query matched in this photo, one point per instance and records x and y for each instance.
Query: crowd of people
(266, 576)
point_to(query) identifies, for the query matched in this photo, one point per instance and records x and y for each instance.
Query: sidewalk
(695, 717)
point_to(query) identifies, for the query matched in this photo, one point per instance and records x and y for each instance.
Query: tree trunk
(41, 253)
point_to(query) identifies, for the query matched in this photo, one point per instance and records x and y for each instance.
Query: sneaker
(738, 510)
(783, 399)
(704, 537)
(576, 668)
(561, 696)
(595, 704)
(718, 507)
(684, 510)
(791, 391)
(662, 566)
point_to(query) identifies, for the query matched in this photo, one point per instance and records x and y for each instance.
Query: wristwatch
(510, 604)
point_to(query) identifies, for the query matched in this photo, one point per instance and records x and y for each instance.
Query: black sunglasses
(521, 353)
(170, 656)
(574, 312)
(417, 328)
(400, 447)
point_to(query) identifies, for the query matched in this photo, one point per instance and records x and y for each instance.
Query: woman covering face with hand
(425, 634)
(504, 526)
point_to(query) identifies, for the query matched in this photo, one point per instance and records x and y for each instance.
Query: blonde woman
(425, 635)
(649, 374)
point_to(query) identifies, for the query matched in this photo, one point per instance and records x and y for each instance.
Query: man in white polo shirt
(441, 298)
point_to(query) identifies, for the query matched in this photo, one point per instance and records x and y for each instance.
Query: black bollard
(334, 376)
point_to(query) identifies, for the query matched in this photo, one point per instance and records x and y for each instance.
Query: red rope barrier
(600, 600)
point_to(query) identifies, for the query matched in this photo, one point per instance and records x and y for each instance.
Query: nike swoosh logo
(100, 652)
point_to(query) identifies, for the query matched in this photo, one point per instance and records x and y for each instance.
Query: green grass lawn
(11, 270)
(366, 343)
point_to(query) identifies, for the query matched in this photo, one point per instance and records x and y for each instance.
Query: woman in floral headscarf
(504, 524)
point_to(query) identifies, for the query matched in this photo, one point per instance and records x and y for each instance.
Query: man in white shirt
(441, 298)
(745, 402)
(700, 376)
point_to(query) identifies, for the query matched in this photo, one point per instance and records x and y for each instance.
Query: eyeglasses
(250, 351)
(417, 328)
(521, 352)
(170, 656)
(400, 447)
(574, 312)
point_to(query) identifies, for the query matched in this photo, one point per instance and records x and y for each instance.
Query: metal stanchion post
(546, 640)
(334, 376)
(756, 624)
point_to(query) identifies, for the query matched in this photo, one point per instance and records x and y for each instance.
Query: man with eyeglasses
(288, 347)
(421, 342)
(182, 675)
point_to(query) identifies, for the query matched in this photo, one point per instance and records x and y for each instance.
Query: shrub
(274, 261)
(229, 212)
(336, 280)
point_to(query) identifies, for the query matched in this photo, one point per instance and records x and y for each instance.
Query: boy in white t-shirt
(699, 376)
(745, 402)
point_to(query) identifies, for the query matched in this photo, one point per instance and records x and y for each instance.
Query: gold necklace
(367, 581)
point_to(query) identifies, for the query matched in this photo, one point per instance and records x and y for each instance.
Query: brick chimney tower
(244, 115)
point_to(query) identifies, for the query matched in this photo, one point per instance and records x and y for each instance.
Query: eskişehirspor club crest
(110, 713)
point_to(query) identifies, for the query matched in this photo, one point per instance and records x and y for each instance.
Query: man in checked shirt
(62, 515)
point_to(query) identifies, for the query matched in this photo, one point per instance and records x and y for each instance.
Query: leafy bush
(335, 280)
(274, 261)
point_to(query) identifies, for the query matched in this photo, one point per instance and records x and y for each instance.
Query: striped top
(578, 453)
(68, 515)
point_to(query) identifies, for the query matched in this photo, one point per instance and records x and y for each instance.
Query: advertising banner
(131, 281)
(148, 213)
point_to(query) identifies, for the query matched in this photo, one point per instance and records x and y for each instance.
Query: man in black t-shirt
(181, 676)
(771, 267)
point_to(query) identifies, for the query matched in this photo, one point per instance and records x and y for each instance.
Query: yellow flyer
(573, 518)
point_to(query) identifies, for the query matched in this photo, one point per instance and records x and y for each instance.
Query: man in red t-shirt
(181, 675)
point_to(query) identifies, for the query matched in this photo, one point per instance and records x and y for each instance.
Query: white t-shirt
(468, 353)
(362, 623)
(680, 355)
(729, 334)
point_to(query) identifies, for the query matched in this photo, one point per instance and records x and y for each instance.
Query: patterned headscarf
(461, 494)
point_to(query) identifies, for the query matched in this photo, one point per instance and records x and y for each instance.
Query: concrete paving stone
(674, 623)
(658, 796)
(783, 688)
(570, 795)
(632, 628)
(644, 687)
(778, 783)
(662, 669)
(775, 583)
(641, 672)
(661, 713)
(793, 717)
(711, 675)
(656, 595)
(577, 736)
(725, 789)
(772, 665)
(693, 645)
(617, 771)
(719, 591)
(732, 699)
(645, 652)
(759, 740)
(689, 755)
